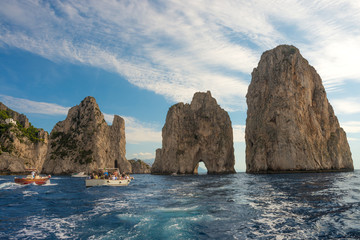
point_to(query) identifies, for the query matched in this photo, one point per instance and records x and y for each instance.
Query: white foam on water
(41, 228)
(26, 232)
(177, 209)
(277, 213)
(10, 185)
(29, 193)
(107, 205)
(49, 183)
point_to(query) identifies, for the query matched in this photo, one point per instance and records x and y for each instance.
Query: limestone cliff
(193, 133)
(139, 167)
(85, 142)
(290, 123)
(21, 145)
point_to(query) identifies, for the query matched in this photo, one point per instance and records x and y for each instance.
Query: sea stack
(193, 133)
(85, 142)
(290, 125)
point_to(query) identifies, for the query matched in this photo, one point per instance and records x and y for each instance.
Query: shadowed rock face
(290, 124)
(193, 133)
(85, 142)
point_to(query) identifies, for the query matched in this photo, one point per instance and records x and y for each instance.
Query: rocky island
(193, 133)
(139, 167)
(85, 142)
(22, 146)
(290, 123)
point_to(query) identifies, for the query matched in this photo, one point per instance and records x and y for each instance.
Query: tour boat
(120, 181)
(79, 174)
(107, 182)
(38, 180)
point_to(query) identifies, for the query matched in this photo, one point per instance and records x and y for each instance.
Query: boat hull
(80, 174)
(107, 182)
(25, 181)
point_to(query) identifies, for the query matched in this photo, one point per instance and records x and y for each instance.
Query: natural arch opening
(116, 164)
(201, 168)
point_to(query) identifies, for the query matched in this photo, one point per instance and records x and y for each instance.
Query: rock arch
(197, 132)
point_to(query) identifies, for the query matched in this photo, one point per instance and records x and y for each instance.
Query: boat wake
(10, 185)
(50, 184)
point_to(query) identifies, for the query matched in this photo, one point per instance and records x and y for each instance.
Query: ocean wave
(303, 206)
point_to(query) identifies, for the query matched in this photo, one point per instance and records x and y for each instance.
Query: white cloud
(177, 48)
(142, 155)
(351, 126)
(108, 118)
(27, 106)
(346, 105)
(239, 133)
(138, 132)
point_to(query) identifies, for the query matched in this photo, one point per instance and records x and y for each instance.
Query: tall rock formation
(85, 142)
(290, 123)
(22, 146)
(193, 133)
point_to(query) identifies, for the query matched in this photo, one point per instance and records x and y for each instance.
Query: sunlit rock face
(85, 142)
(22, 146)
(193, 133)
(290, 123)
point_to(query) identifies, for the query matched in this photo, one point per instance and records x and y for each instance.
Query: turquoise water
(237, 206)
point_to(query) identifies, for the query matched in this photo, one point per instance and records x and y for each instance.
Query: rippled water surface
(238, 206)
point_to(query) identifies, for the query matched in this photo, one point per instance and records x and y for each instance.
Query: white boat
(111, 180)
(79, 174)
(107, 182)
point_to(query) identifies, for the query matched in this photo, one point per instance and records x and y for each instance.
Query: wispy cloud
(351, 126)
(176, 48)
(346, 105)
(27, 106)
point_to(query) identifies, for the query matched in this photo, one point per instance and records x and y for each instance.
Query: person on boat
(33, 174)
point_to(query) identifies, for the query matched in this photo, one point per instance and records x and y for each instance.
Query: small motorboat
(79, 174)
(38, 180)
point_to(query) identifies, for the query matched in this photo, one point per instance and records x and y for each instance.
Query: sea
(235, 206)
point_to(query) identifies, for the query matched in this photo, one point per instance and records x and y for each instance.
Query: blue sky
(137, 58)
